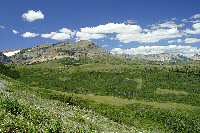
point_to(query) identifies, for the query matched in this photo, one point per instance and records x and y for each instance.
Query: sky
(118, 26)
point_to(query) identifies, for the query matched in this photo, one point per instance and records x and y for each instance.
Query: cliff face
(45, 52)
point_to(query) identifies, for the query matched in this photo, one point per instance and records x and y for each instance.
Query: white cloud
(130, 21)
(192, 40)
(120, 45)
(15, 32)
(67, 31)
(184, 50)
(11, 53)
(104, 46)
(189, 31)
(196, 26)
(179, 40)
(196, 31)
(150, 37)
(32, 15)
(88, 36)
(170, 24)
(65, 34)
(195, 16)
(171, 41)
(48, 35)
(28, 34)
(3, 27)
(113, 38)
(153, 26)
(184, 20)
(196, 21)
(127, 33)
(61, 36)
(112, 28)
(146, 30)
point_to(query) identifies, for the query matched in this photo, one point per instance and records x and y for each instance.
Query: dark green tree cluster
(8, 71)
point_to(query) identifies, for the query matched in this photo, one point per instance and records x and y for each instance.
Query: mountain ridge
(163, 57)
(45, 52)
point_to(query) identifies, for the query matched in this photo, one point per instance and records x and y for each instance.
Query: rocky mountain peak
(45, 52)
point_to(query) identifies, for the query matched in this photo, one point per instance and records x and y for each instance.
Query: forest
(79, 82)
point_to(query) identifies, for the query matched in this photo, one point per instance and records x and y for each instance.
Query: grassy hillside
(153, 96)
(26, 110)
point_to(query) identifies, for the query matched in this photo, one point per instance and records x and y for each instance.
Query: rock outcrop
(45, 52)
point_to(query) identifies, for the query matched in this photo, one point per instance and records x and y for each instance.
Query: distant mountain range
(164, 57)
(45, 52)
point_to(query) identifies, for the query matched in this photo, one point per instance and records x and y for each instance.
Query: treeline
(120, 83)
(8, 71)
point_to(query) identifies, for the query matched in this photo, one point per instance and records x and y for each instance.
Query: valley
(101, 93)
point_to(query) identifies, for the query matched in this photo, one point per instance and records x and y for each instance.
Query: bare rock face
(45, 52)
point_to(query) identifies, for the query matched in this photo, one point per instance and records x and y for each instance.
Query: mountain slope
(45, 52)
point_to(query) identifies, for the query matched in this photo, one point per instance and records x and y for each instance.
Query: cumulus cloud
(170, 24)
(196, 26)
(65, 34)
(67, 31)
(3, 27)
(171, 41)
(32, 15)
(153, 26)
(113, 38)
(196, 21)
(150, 37)
(167, 24)
(15, 32)
(196, 31)
(48, 35)
(104, 46)
(195, 16)
(146, 30)
(184, 20)
(192, 40)
(130, 21)
(120, 45)
(60, 36)
(179, 40)
(112, 28)
(28, 34)
(126, 33)
(88, 36)
(184, 50)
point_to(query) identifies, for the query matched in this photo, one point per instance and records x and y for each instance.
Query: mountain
(45, 52)
(196, 57)
(164, 57)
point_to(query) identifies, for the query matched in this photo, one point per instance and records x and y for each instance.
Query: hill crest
(45, 52)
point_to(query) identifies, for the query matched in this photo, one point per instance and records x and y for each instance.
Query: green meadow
(101, 94)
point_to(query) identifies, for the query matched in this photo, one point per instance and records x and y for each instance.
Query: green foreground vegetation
(147, 96)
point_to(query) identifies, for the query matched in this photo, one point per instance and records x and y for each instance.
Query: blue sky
(119, 26)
